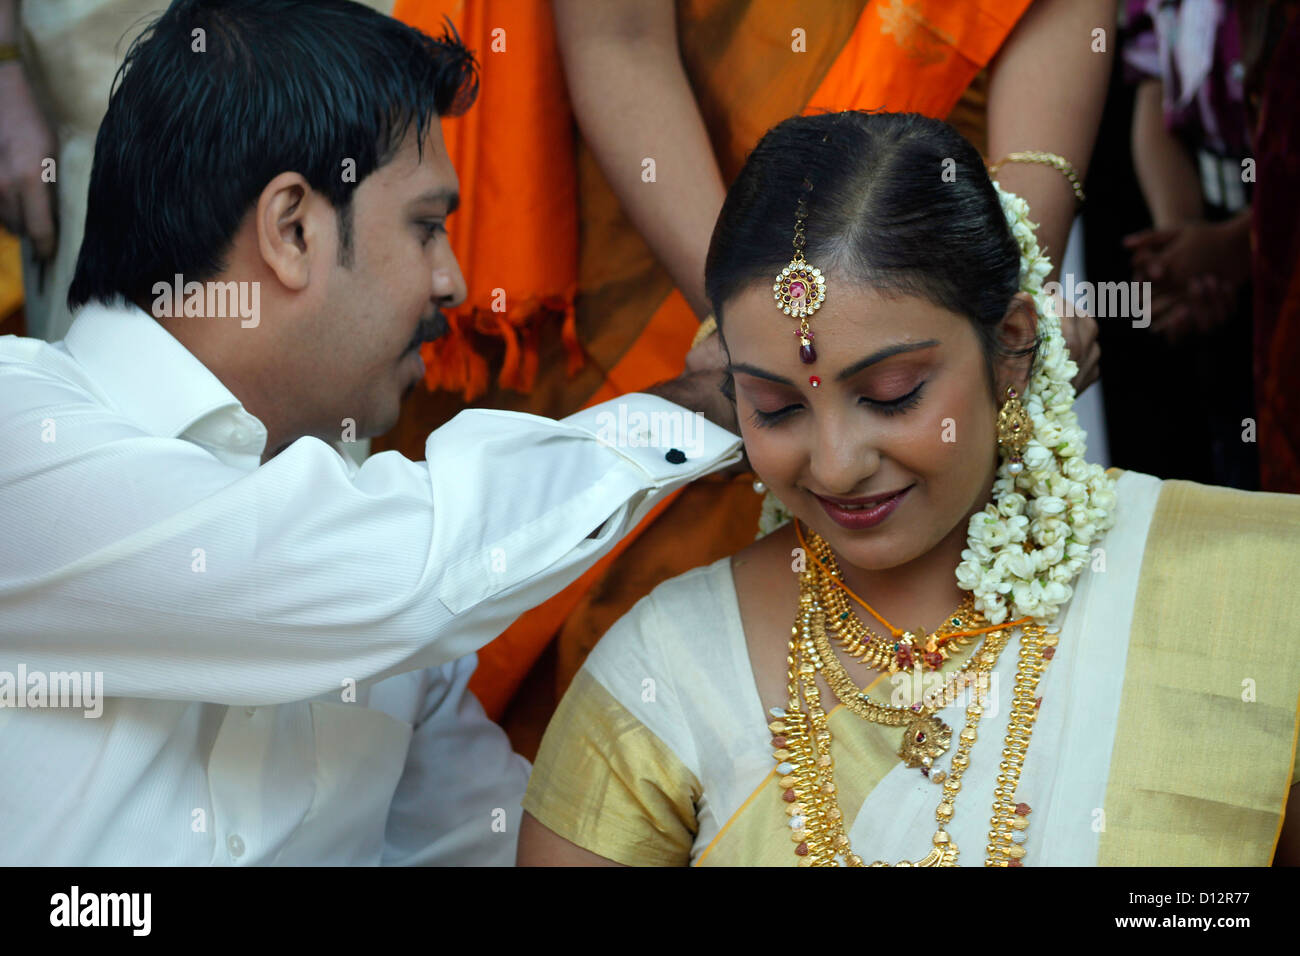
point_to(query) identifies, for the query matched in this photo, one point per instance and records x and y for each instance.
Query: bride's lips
(850, 513)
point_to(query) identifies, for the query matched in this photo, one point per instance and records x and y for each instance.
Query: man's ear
(1016, 332)
(286, 235)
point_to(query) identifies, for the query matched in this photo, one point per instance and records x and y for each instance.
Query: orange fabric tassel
(516, 233)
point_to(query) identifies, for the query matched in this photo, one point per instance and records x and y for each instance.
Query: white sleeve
(459, 800)
(182, 578)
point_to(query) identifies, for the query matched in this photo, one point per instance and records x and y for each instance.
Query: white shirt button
(235, 845)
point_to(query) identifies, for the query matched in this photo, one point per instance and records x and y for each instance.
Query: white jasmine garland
(1068, 502)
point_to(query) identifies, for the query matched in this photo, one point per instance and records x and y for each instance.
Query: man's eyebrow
(888, 352)
(450, 196)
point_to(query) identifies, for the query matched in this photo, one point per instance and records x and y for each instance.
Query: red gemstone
(904, 656)
(789, 796)
(801, 849)
(934, 659)
(1049, 653)
(920, 736)
(778, 742)
(1038, 702)
(814, 381)
(797, 289)
(1022, 809)
(1015, 863)
(925, 771)
(807, 354)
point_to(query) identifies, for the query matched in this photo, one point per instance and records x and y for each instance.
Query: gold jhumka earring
(800, 289)
(1015, 428)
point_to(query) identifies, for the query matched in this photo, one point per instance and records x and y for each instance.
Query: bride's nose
(843, 458)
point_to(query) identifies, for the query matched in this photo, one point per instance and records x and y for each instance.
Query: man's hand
(707, 355)
(26, 203)
(700, 392)
(699, 388)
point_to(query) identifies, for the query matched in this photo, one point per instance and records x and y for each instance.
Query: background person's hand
(1080, 333)
(1197, 308)
(1189, 251)
(26, 203)
(1195, 270)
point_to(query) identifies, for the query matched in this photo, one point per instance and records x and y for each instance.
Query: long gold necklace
(803, 750)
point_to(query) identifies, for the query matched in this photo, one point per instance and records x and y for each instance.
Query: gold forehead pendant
(800, 289)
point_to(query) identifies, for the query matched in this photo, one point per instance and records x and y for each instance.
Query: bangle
(707, 328)
(1059, 163)
(9, 51)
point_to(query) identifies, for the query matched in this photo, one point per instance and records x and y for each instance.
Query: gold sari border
(605, 782)
(1208, 708)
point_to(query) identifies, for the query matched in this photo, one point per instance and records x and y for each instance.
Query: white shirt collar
(157, 382)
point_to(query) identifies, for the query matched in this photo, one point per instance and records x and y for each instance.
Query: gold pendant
(925, 738)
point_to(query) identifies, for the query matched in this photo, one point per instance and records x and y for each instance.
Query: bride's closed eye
(892, 406)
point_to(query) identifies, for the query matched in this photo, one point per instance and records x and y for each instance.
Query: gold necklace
(807, 769)
(903, 650)
(925, 736)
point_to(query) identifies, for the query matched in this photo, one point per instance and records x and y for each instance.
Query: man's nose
(448, 285)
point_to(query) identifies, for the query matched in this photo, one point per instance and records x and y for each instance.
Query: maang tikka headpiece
(800, 288)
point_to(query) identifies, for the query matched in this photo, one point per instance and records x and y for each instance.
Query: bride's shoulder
(671, 617)
(768, 552)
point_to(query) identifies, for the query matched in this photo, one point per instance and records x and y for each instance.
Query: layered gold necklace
(901, 650)
(802, 738)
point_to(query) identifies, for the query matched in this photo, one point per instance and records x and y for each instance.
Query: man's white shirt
(284, 647)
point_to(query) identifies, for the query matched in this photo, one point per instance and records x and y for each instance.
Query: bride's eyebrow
(888, 351)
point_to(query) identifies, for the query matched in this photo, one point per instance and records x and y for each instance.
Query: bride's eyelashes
(893, 406)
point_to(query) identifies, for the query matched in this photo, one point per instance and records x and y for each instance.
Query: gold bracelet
(9, 51)
(707, 328)
(1059, 163)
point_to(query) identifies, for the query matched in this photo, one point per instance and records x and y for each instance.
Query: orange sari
(751, 64)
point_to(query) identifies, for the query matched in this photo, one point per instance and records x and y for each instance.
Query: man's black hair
(217, 97)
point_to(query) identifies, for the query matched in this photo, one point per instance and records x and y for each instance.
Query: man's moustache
(429, 330)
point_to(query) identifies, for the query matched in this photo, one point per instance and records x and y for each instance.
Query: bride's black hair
(897, 201)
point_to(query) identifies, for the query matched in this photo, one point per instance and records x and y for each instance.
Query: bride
(966, 645)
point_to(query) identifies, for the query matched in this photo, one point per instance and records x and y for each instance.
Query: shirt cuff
(664, 440)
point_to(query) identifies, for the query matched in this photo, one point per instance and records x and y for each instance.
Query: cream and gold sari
(1166, 734)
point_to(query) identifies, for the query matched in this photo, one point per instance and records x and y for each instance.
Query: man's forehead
(415, 178)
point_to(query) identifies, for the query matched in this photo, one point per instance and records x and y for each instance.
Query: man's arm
(181, 578)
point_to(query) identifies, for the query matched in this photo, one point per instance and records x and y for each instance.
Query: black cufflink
(675, 456)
